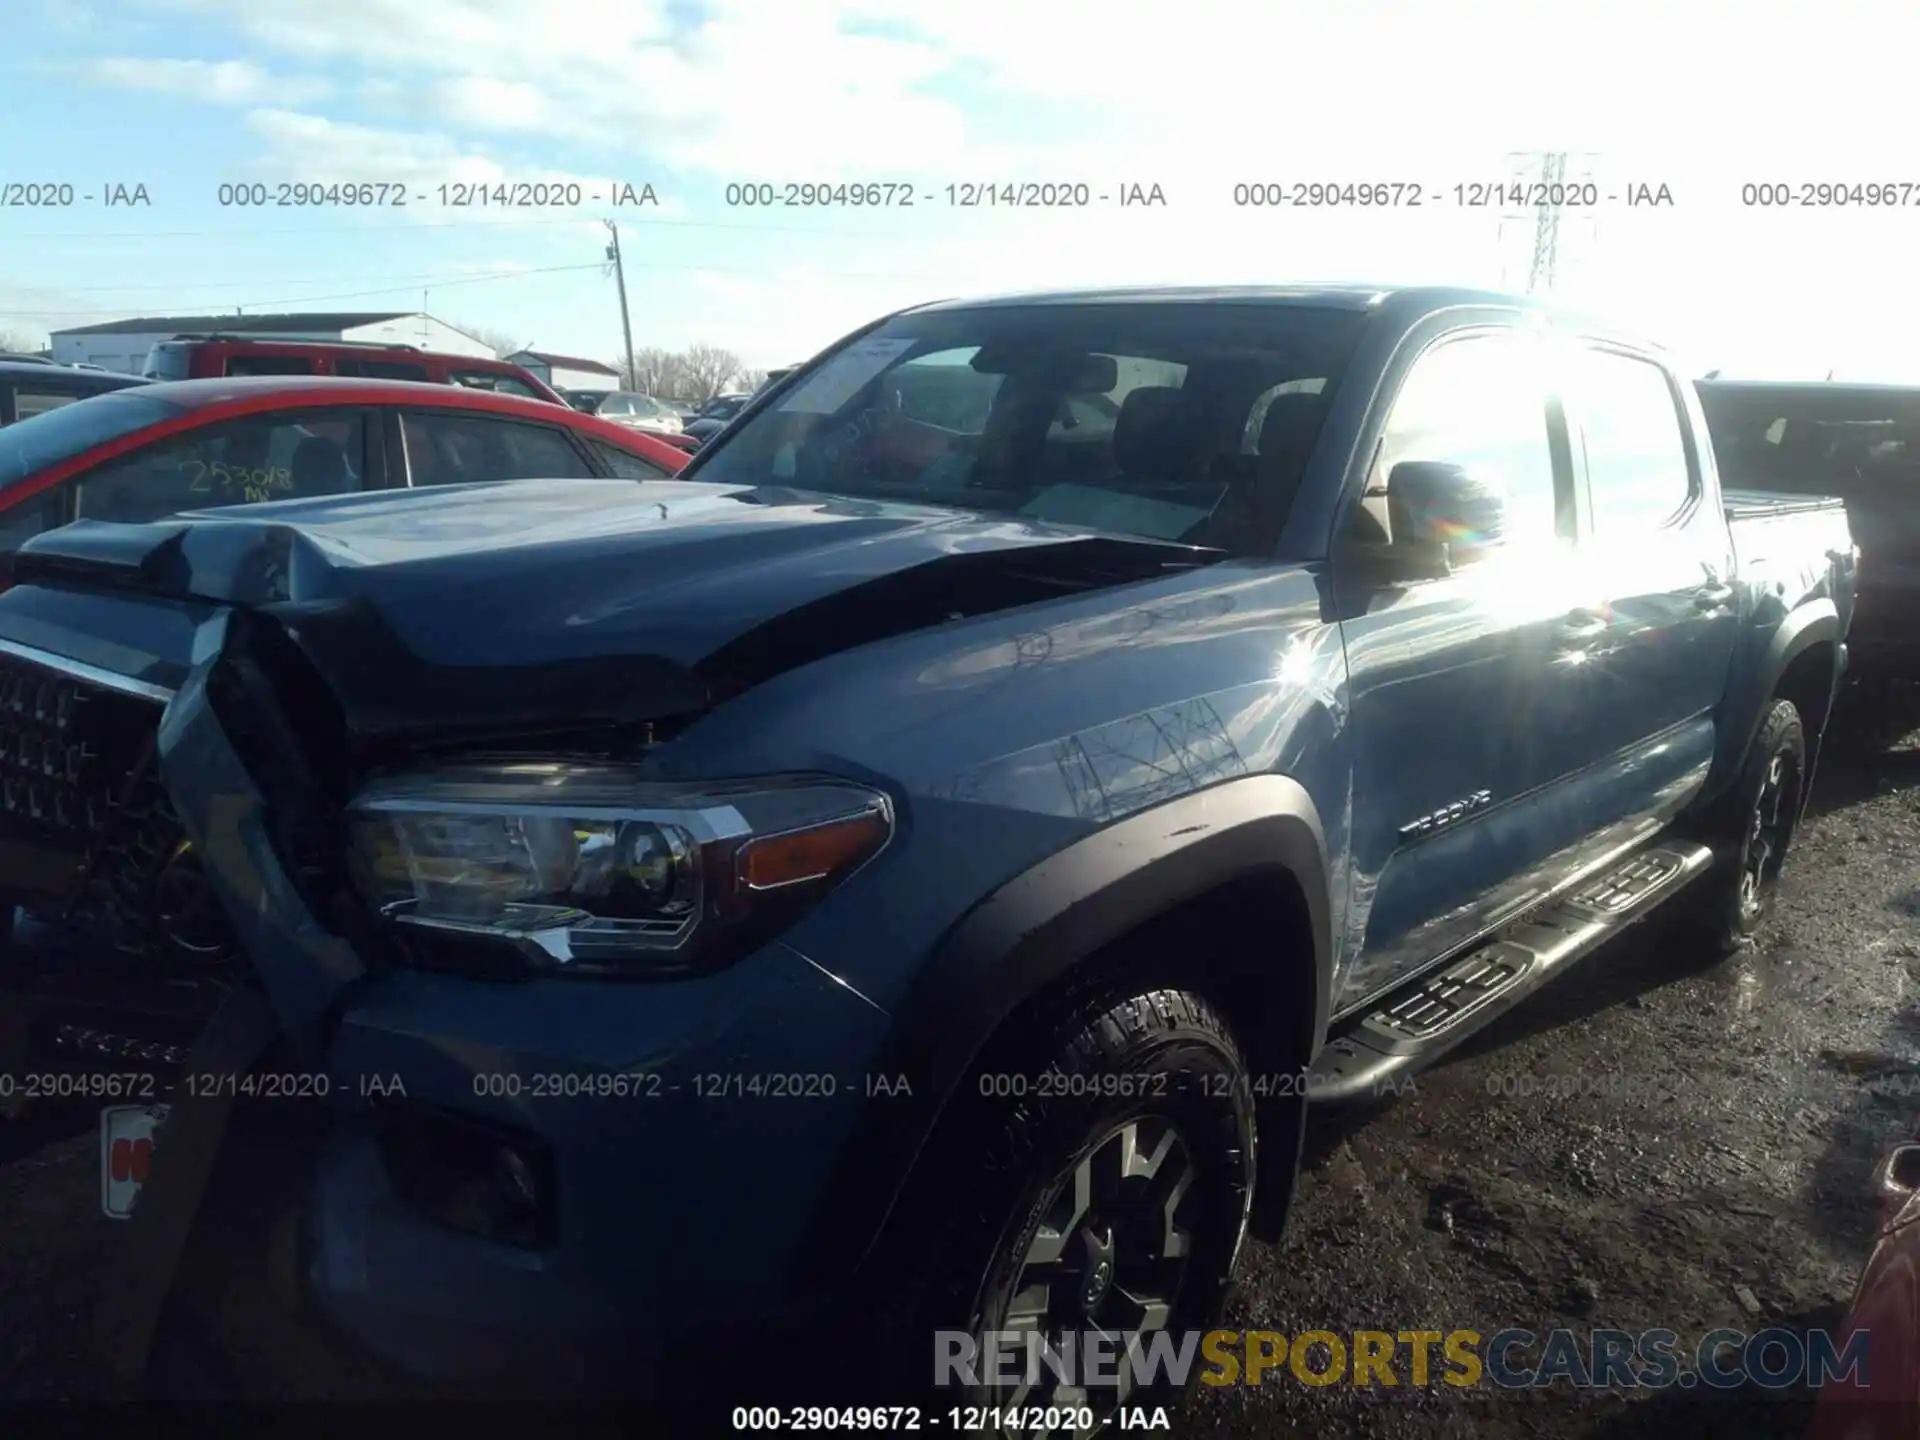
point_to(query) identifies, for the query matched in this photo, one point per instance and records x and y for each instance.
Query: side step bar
(1433, 1013)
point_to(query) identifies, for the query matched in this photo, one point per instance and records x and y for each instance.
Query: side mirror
(1431, 502)
(1396, 564)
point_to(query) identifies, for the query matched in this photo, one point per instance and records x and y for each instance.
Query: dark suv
(1861, 443)
(33, 387)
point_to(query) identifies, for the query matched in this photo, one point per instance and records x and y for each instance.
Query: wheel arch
(1801, 662)
(1252, 847)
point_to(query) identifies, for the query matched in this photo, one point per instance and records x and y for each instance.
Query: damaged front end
(241, 781)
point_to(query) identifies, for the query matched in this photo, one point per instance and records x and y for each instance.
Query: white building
(567, 372)
(122, 345)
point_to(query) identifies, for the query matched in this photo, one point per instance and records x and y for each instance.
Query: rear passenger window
(29, 402)
(379, 370)
(449, 449)
(1637, 475)
(494, 381)
(20, 522)
(269, 365)
(625, 464)
(280, 457)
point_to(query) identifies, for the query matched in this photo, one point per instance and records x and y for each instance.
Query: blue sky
(184, 96)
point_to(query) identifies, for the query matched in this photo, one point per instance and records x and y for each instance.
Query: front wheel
(1108, 1206)
(1755, 831)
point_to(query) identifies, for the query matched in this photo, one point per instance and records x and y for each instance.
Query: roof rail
(258, 339)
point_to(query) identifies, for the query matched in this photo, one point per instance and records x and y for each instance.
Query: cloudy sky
(693, 96)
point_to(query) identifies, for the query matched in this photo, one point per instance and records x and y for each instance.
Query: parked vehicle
(895, 869)
(642, 412)
(1862, 443)
(142, 453)
(1880, 1398)
(714, 415)
(28, 388)
(200, 357)
(583, 400)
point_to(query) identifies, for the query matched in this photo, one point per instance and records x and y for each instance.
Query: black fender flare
(1029, 933)
(1813, 622)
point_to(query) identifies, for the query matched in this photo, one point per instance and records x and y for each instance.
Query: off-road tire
(1730, 904)
(1149, 1064)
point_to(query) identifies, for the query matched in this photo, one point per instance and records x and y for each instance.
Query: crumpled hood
(736, 584)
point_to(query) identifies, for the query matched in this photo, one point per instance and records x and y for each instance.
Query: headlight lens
(588, 868)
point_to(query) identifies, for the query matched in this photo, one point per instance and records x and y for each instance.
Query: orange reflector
(778, 860)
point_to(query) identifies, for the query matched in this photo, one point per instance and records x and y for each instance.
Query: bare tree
(692, 376)
(655, 372)
(708, 369)
(748, 382)
(21, 342)
(501, 342)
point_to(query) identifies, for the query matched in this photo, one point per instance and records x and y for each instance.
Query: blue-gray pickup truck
(913, 871)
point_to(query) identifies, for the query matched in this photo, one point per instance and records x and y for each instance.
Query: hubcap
(1769, 827)
(1109, 1259)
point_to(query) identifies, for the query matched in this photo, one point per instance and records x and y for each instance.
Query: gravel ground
(1692, 1134)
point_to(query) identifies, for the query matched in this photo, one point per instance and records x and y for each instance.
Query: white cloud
(217, 82)
(1701, 94)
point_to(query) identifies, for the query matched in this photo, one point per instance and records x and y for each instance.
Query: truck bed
(1766, 504)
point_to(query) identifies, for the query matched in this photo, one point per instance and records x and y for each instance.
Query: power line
(434, 277)
(759, 270)
(229, 234)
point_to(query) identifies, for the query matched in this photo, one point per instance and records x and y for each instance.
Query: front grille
(88, 837)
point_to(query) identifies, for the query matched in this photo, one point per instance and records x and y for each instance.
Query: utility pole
(620, 278)
(1546, 225)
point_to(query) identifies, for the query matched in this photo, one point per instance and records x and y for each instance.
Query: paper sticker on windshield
(829, 388)
(1098, 509)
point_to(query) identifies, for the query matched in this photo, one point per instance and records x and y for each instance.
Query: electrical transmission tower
(1546, 223)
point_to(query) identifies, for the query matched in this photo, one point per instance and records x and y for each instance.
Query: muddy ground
(1691, 1132)
(1697, 1146)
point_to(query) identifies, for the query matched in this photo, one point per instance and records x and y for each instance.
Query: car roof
(1406, 302)
(238, 394)
(340, 390)
(221, 339)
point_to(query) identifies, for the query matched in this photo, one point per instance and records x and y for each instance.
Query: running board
(1414, 1025)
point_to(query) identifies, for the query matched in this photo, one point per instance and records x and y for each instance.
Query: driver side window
(1479, 403)
(943, 389)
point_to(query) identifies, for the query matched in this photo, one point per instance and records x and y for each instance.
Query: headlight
(587, 868)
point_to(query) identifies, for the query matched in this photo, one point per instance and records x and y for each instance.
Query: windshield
(1167, 420)
(167, 362)
(56, 435)
(1811, 441)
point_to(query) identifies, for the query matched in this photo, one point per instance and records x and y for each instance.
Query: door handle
(1712, 596)
(1583, 625)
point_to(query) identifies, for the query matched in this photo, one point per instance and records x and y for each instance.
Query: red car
(151, 450)
(1881, 1401)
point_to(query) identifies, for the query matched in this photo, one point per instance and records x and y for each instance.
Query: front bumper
(680, 1203)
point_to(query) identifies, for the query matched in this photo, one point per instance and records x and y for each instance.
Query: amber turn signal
(812, 854)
